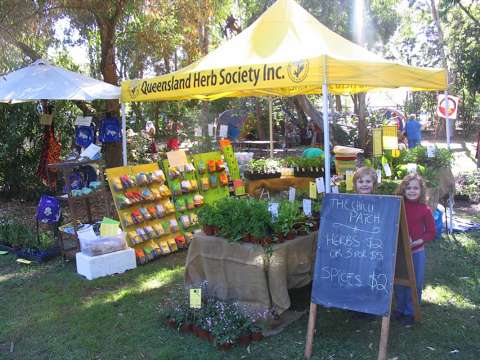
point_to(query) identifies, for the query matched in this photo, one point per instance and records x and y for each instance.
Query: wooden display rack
(158, 245)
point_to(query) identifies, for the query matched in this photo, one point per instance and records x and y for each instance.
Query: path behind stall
(49, 312)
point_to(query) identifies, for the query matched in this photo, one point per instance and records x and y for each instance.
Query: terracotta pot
(202, 333)
(266, 240)
(186, 328)
(211, 338)
(171, 323)
(244, 340)
(256, 240)
(257, 336)
(225, 346)
(208, 230)
(291, 235)
(247, 238)
(195, 329)
(216, 229)
(280, 237)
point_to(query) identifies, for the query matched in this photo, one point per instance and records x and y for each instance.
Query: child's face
(364, 184)
(413, 190)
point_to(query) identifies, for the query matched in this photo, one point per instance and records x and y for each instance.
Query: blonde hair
(406, 180)
(365, 171)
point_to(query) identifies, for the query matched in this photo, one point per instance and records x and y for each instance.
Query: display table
(254, 187)
(245, 273)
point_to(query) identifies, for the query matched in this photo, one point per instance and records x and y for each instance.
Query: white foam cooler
(117, 262)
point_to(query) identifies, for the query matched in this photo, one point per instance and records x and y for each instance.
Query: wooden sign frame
(404, 275)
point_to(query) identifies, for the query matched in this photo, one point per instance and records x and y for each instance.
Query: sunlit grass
(50, 312)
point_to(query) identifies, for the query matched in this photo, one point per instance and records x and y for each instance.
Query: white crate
(93, 267)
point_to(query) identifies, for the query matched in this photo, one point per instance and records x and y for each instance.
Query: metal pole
(326, 136)
(449, 134)
(270, 110)
(124, 135)
(326, 127)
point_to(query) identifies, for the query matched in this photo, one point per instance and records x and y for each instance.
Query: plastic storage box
(93, 267)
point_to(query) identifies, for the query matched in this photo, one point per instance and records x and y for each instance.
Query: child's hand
(416, 243)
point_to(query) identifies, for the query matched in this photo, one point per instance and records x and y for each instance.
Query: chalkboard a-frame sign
(362, 249)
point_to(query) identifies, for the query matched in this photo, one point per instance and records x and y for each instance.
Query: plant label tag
(83, 120)
(291, 194)
(307, 207)
(430, 151)
(388, 171)
(349, 180)
(335, 189)
(320, 185)
(210, 130)
(24, 261)
(195, 298)
(412, 168)
(223, 131)
(198, 131)
(273, 208)
(312, 190)
(379, 176)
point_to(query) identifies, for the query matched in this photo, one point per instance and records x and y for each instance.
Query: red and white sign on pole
(452, 106)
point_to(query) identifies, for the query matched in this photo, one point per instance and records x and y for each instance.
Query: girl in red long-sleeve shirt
(421, 229)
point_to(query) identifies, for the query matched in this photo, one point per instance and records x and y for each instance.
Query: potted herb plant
(263, 169)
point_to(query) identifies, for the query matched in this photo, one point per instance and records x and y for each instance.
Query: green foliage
(15, 234)
(387, 187)
(21, 138)
(288, 215)
(264, 165)
(303, 162)
(469, 185)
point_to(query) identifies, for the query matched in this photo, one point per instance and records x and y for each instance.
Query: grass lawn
(50, 312)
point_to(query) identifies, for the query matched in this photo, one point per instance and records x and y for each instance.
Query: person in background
(413, 131)
(365, 180)
(421, 229)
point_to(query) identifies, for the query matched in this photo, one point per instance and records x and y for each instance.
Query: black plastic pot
(308, 172)
(38, 256)
(258, 175)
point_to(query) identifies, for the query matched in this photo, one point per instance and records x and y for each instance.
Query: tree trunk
(362, 122)
(259, 122)
(338, 103)
(441, 48)
(106, 24)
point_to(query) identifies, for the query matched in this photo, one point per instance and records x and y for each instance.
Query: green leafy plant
(288, 215)
(469, 185)
(15, 234)
(264, 166)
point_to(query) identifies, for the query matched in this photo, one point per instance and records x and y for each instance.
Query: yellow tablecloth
(245, 273)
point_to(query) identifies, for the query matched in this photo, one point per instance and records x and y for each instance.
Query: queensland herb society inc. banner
(241, 79)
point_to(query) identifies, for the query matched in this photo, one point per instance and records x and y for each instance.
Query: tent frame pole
(326, 127)
(270, 120)
(449, 134)
(124, 135)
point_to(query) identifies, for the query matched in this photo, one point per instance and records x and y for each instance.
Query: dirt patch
(463, 207)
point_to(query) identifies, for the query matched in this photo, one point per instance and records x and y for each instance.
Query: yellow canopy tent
(285, 52)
